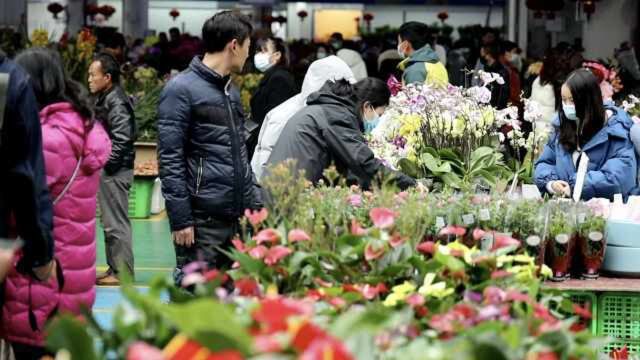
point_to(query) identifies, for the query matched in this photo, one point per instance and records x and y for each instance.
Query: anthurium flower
(326, 349)
(382, 218)
(213, 275)
(499, 274)
(297, 235)
(502, 241)
(305, 334)
(140, 350)
(356, 229)
(269, 236)
(275, 254)
(272, 315)
(453, 230)
(258, 252)
(438, 290)
(239, 245)
(494, 295)
(514, 295)
(427, 247)
(619, 354)
(256, 217)
(583, 312)
(397, 240)
(373, 252)
(460, 250)
(267, 343)
(399, 293)
(369, 292)
(415, 300)
(247, 287)
(478, 234)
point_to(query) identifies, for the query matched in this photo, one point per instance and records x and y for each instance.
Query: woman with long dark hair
(330, 130)
(587, 131)
(277, 85)
(545, 89)
(75, 150)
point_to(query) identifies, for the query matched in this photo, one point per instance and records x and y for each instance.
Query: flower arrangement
(39, 38)
(610, 82)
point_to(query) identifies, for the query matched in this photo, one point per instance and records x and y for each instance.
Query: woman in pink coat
(75, 150)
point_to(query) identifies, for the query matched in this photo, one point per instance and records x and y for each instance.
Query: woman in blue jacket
(585, 125)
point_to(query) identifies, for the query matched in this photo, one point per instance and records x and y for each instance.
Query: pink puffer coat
(74, 222)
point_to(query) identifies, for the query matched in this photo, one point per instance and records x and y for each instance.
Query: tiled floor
(153, 254)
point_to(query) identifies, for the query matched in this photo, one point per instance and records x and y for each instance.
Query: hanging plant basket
(55, 8)
(174, 13)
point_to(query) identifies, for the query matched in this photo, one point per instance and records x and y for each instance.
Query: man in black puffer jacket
(206, 177)
(114, 109)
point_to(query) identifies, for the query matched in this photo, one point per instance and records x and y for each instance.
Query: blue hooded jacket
(612, 160)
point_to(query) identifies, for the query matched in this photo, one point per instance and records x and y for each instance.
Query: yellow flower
(399, 293)
(438, 290)
(502, 259)
(468, 253)
(39, 38)
(545, 271)
(524, 259)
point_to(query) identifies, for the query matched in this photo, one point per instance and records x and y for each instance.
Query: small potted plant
(535, 241)
(591, 241)
(561, 242)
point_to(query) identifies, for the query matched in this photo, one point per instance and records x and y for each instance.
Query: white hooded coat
(320, 71)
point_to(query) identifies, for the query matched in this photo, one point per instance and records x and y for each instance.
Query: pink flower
(256, 217)
(267, 236)
(394, 85)
(258, 252)
(502, 241)
(369, 292)
(337, 302)
(356, 229)
(355, 200)
(478, 234)
(276, 254)
(239, 245)
(140, 350)
(322, 282)
(373, 253)
(427, 247)
(415, 300)
(513, 295)
(267, 344)
(499, 274)
(297, 235)
(494, 295)
(453, 230)
(382, 218)
(401, 197)
(397, 240)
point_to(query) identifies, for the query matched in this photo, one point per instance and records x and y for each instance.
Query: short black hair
(109, 66)
(509, 45)
(416, 33)
(222, 28)
(279, 45)
(337, 36)
(115, 41)
(174, 30)
(494, 49)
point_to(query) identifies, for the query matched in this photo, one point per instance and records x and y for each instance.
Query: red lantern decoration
(368, 17)
(302, 14)
(55, 8)
(268, 19)
(174, 13)
(589, 7)
(281, 19)
(443, 16)
(106, 10)
(92, 10)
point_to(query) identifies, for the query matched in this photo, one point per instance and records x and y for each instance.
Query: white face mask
(400, 52)
(262, 62)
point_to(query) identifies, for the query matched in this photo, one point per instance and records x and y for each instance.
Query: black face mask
(483, 61)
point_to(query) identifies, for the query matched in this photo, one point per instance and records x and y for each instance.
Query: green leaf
(372, 320)
(434, 165)
(451, 262)
(410, 168)
(65, 332)
(210, 323)
(451, 180)
(249, 264)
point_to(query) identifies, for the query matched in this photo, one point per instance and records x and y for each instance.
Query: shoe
(110, 280)
(104, 275)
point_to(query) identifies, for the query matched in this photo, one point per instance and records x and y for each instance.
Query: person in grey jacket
(116, 111)
(330, 130)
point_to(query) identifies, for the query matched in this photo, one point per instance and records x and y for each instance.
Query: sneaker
(104, 275)
(110, 280)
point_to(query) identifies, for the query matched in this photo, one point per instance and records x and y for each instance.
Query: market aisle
(153, 255)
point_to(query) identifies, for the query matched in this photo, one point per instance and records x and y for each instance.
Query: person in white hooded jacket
(320, 71)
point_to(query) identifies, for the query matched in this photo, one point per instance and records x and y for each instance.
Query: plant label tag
(581, 218)
(582, 172)
(530, 192)
(486, 243)
(440, 222)
(617, 199)
(468, 219)
(484, 215)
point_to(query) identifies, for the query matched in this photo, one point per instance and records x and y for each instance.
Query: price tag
(484, 215)
(440, 222)
(468, 219)
(581, 218)
(582, 172)
(486, 243)
(617, 199)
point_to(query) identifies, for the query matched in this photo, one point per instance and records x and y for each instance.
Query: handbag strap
(68, 185)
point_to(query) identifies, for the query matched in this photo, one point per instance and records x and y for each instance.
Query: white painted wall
(39, 18)
(116, 19)
(11, 11)
(613, 22)
(193, 14)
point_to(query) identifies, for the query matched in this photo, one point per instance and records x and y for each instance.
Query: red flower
(499, 274)
(370, 292)
(478, 234)
(337, 302)
(226, 355)
(306, 335)
(174, 13)
(502, 241)
(427, 247)
(267, 344)
(583, 312)
(256, 217)
(216, 275)
(276, 254)
(356, 229)
(514, 295)
(368, 17)
(397, 240)
(619, 354)
(267, 236)
(247, 287)
(258, 252)
(373, 253)
(239, 245)
(382, 218)
(297, 235)
(328, 348)
(140, 350)
(494, 295)
(443, 16)
(273, 313)
(453, 230)
(547, 355)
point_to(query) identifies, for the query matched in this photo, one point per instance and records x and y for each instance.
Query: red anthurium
(226, 355)
(397, 240)
(140, 350)
(275, 254)
(267, 344)
(478, 234)
(247, 287)
(239, 245)
(415, 300)
(256, 217)
(216, 275)
(273, 313)
(453, 230)
(514, 295)
(583, 312)
(258, 252)
(499, 274)
(356, 229)
(620, 354)
(297, 235)
(382, 218)
(372, 252)
(326, 349)
(267, 236)
(307, 334)
(337, 302)
(427, 247)
(502, 241)
(370, 292)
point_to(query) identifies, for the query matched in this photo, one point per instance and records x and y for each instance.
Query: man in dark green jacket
(421, 64)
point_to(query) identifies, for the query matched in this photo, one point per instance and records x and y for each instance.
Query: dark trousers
(114, 207)
(28, 352)
(210, 235)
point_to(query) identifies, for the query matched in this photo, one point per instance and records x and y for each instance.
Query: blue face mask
(370, 124)
(570, 112)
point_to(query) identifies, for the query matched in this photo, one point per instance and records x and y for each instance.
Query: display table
(599, 285)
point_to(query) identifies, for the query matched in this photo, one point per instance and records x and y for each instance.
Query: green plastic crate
(140, 198)
(619, 318)
(583, 297)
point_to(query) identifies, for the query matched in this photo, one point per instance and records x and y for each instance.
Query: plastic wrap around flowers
(423, 115)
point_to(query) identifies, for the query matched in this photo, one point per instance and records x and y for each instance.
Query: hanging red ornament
(281, 19)
(174, 13)
(55, 8)
(268, 19)
(106, 10)
(302, 14)
(92, 10)
(368, 17)
(443, 16)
